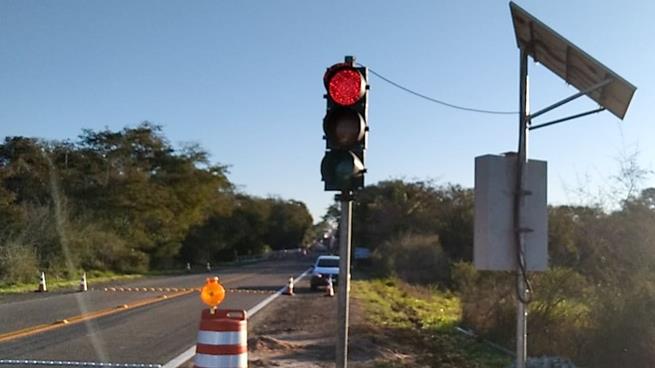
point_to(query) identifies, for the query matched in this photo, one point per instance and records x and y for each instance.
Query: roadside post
(42, 283)
(83, 284)
(345, 127)
(289, 290)
(329, 290)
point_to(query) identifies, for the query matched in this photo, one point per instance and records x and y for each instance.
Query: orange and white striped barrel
(222, 340)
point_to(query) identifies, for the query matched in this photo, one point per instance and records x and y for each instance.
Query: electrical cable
(440, 102)
(524, 292)
(525, 295)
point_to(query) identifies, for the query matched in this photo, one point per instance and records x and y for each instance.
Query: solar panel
(570, 63)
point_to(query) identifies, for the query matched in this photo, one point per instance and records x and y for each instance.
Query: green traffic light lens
(344, 170)
(338, 168)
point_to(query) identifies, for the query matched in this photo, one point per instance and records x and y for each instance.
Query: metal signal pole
(344, 279)
(522, 289)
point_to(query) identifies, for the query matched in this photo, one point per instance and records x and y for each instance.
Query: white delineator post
(289, 290)
(42, 284)
(329, 291)
(83, 284)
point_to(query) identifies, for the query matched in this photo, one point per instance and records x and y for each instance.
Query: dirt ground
(299, 331)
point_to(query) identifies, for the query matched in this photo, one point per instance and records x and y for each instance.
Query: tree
(128, 200)
(390, 208)
(147, 192)
(289, 223)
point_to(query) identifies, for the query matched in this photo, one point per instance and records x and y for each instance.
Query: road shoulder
(299, 331)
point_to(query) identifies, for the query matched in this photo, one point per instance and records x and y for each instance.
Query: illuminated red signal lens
(346, 86)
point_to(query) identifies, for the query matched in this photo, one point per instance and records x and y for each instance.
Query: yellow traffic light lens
(212, 293)
(344, 128)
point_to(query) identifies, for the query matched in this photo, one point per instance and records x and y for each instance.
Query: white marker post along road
(190, 352)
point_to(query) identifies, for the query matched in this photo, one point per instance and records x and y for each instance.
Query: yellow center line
(33, 330)
(87, 316)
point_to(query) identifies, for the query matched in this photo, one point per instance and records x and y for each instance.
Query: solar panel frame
(571, 63)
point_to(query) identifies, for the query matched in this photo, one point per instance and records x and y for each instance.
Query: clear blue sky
(244, 79)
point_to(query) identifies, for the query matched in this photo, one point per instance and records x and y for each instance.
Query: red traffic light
(344, 84)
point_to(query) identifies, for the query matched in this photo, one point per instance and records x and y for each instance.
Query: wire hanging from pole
(440, 102)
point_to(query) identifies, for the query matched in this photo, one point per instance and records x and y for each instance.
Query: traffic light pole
(344, 279)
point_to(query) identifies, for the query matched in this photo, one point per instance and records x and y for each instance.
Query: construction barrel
(222, 339)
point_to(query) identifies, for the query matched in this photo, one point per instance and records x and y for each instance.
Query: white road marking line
(190, 352)
(76, 363)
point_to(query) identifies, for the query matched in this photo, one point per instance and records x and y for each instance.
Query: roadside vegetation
(128, 201)
(93, 278)
(420, 321)
(593, 306)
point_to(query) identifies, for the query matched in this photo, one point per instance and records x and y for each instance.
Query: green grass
(425, 319)
(55, 283)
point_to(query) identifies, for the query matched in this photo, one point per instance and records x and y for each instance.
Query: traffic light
(345, 126)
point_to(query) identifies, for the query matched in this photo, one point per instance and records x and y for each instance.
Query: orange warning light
(212, 293)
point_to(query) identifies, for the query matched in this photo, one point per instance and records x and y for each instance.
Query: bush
(100, 249)
(18, 263)
(557, 314)
(488, 302)
(547, 362)
(414, 258)
(623, 332)
(79, 244)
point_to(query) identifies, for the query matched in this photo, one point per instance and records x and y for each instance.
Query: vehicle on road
(324, 268)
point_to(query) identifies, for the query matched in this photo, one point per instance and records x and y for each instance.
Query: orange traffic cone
(330, 289)
(42, 285)
(289, 290)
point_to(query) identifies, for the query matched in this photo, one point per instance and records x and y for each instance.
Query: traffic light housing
(345, 126)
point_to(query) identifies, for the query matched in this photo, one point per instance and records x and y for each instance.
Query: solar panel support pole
(557, 121)
(571, 98)
(521, 307)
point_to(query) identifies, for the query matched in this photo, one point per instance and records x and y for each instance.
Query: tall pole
(344, 280)
(519, 198)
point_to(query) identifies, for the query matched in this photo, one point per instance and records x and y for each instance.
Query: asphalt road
(150, 334)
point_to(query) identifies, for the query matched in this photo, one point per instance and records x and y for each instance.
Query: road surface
(153, 333)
